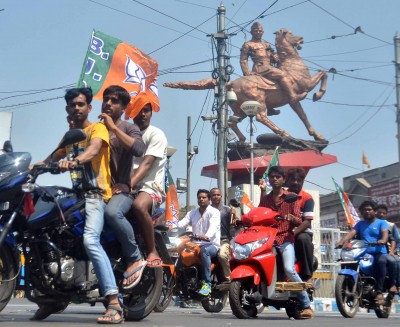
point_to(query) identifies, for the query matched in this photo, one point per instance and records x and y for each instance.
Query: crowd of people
(121, 170)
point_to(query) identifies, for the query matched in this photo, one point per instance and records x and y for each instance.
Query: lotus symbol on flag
(135, 74)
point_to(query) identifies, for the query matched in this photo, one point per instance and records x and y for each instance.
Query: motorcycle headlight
(347, 255)
(241, 252)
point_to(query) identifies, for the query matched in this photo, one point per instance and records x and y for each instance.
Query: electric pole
(222, 106)
(397, 67)
(188, 158)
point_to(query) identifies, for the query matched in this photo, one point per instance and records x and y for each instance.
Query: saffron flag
(171, 201)
(365, 160)
(351, 213)
(109, 61)
(243, 198)
(274, 162)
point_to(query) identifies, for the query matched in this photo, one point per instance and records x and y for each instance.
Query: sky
(44, 43)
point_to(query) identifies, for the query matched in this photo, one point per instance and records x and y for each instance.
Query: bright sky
(44, 43)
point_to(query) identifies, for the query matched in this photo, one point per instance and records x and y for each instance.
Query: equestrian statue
(276, 79)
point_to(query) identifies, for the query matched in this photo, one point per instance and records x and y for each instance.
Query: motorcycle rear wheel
(166, 292)
(237, 290)
(144, 297)
(346, 301)
(8, 273)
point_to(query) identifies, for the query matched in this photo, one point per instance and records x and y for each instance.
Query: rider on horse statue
(263, 56)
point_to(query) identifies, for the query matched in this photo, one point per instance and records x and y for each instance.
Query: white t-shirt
(208, 224)
(156, 145)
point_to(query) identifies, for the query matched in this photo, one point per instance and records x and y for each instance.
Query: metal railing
(324, 240)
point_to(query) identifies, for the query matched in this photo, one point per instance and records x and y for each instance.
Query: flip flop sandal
(154, 263)
(111, 313)
(136, 280)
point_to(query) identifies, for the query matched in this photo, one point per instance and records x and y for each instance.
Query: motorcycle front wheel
(142, 299)
(237, 292)
(346, 301)
(8, 278)
(217, 299)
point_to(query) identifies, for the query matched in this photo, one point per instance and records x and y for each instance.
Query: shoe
(205, 290)
(47, 309)
(307, 313)
(379, 299)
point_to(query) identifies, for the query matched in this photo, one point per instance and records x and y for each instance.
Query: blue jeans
(91, 240)
(207, 252)
(115, 216)
(287, 252)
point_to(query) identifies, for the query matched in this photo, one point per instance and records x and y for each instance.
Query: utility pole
(397, 67)
(188, 158)
(222, 108)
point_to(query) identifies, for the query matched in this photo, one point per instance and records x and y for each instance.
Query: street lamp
(251, 108)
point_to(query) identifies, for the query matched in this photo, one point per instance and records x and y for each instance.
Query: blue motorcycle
(45, 225)
(355, 284)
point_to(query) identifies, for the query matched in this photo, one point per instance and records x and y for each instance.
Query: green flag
(274, 162)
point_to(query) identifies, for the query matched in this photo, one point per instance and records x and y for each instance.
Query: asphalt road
(18, 312)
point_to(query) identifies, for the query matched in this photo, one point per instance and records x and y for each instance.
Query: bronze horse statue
(267, 93)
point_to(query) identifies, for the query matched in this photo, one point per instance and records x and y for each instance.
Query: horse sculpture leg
(297, 107)
(233, 126)
(323, 77)
(263, 119)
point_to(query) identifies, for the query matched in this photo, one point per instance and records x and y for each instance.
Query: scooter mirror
(234, 203)
(291, 197)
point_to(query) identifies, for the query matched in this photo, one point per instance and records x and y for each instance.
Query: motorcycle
(355, 286)
(257, 277)
(45, 224)
(182, 275)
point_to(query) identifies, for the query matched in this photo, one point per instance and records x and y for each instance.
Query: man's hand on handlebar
(202, 238)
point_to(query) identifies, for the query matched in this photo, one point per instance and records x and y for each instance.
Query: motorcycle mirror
(72, 136)
(7, 146)
(234, 203)
(291, 197)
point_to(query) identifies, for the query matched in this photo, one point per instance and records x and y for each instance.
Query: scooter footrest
(292, 286)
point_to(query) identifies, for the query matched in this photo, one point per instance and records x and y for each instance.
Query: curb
(326, 304)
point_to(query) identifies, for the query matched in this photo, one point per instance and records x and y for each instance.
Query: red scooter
(257, 276)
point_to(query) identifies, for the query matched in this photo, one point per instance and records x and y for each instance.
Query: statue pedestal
(239, 170)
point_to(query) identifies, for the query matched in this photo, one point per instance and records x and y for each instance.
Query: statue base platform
(292, 153)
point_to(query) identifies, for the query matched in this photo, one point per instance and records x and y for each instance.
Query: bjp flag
(171, 201)
(109, 61)
(365, 160)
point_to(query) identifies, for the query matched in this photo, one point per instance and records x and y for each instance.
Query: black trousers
(304, 250)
